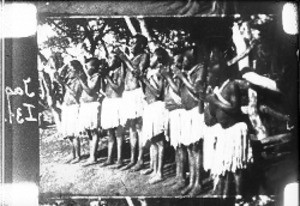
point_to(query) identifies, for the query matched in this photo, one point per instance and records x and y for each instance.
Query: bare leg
(93, 149)
(76, 147)
(133, 145)
(57, 119)
(192, 171)
(226, 184)
(140, 162)
(198, 167)
(152, 156)
(111, 143)
(119, 149)
(238, 183)
(160, 157)
(178, 165)
(73, 155)
(181, 169)
(218, 185)
(154, 161)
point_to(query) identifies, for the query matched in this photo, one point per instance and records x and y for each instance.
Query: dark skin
(227, 115)
(113, 90)
(71, 74)
(181, 153)
(135, 67)
(91, 89)
(183, 61)
(153, 91)
(116, 81)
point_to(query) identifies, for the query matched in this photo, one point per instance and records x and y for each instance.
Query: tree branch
(57, 26)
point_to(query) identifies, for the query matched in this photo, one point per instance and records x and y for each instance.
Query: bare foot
(118, 165)
(69, 160)
(147, 171)
(207, 180)
(90, 162)
(76, 160)
(174, 181)
(138, 166)
(107, 163)
(127, 166)
(179, 184)
(156, 179)
(196, 190)
(152, 174)
(186, 190)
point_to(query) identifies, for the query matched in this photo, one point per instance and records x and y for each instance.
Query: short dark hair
(141, 39)
(77, 65)
(162, 55)
(93, 61)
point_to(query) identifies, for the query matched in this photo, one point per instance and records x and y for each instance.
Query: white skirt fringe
(89, 116)
(133, 104)
(233, 150)
(209, 145)
(154, 120)
(111, 114)
(69, 120)
(175, 120)
(193, 126)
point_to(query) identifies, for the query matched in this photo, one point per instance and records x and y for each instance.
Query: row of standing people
(194, 106)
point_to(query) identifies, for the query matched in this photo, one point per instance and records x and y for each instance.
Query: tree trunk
(130, 26)
(146, 33)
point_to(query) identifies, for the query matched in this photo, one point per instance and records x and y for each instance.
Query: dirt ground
(60, 178)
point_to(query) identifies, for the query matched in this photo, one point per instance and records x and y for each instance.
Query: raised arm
(232, 105)
(119, 80)
(93, 87)
(157, 87)
(166, 74)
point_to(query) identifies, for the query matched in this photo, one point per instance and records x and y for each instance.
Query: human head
(75, 67)
(114, 62)
(103, 66)
(92, 65)
(216, 67)
(161, 56)
(138, 44)
(188, 59)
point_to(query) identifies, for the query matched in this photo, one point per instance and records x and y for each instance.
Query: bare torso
(140, 62)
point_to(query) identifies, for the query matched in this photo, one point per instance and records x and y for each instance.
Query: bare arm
(234, 100)
(198, 84)
(155, 89)
(92, 88)
(170, 81)
(119, 80)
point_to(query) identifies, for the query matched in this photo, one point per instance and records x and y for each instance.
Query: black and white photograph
(154, 103)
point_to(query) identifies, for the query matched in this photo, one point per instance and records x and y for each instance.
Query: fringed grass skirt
(233, 150)
(89, 116)
(175, 126)
(133, 104)
(193, 126)
(154, 120)
(69, 120)
(111, 114)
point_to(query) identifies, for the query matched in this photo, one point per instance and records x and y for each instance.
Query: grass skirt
(69, 120)
(89, 116)
(233, 150)
(133, 104)
(154, 120)
(111, 114)
(193, 126)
